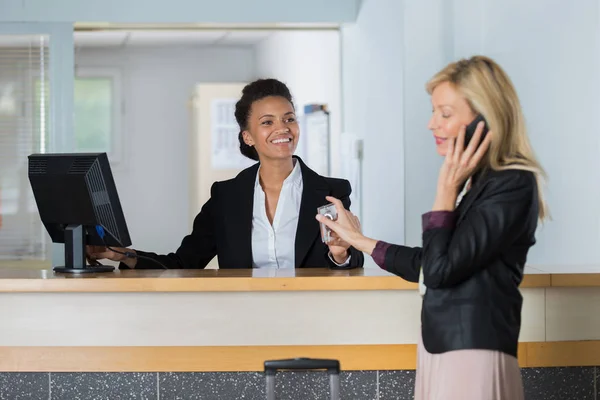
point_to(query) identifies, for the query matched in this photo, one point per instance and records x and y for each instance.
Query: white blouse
(273, 246)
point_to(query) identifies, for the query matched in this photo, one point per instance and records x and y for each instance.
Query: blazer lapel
(314, 190)
(471, 195)
(238, 214)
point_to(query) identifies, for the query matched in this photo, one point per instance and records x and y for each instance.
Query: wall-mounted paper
(316, 132)
(225, 152)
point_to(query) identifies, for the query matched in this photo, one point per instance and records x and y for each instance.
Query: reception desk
(233, 320)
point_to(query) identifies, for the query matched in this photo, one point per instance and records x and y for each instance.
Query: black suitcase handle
(272, 366)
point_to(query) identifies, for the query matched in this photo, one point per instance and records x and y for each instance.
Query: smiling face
(450, 111)
(272, 128)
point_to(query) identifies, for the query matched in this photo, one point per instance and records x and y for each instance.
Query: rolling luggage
(331, 366)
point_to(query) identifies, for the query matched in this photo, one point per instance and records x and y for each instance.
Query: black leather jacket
(473, 260)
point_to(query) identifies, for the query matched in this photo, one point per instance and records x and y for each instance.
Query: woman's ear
(248, 138)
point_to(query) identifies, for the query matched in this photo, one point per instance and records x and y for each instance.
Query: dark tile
(359, 385)
(562, 383)
(311, 385)
(356, 385)
(397, 385)
(211, 385)
(24, 385)
(597, 383)
(104, 386)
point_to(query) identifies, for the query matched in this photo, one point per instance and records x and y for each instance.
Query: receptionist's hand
(101, 252)
(338, 248)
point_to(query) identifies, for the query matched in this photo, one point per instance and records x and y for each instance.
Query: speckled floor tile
(359, 385)
(311, 385)
(572, 383)
(314, 385)
(289, 385)
(104, 386)
(24, 385)
(212, 386)
(597, 383)
(396, 385)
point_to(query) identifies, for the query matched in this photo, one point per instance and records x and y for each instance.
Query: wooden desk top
(30, 279)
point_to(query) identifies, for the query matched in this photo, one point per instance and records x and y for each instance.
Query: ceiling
(133, 38)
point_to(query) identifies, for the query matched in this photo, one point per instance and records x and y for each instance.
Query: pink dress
(471, 374)
(467, 375)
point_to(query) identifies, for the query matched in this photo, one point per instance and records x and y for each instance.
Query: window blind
(24, 95)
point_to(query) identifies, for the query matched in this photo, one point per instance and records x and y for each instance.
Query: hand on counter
(94, 253)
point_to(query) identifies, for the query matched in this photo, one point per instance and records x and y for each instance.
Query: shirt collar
(294, 178)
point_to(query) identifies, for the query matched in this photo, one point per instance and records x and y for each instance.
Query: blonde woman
(475, 245)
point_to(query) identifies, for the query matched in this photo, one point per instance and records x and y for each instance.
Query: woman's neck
(274, 172)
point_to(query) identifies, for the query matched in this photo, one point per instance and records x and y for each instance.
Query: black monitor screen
(78, 190)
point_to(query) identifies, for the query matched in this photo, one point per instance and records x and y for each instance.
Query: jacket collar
(315, 188)
(294, 178)
(478, 181)
(313, 196)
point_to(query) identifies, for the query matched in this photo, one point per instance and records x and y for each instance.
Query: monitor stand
(75, 253)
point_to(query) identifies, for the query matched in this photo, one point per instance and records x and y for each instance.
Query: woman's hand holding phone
(460, 163)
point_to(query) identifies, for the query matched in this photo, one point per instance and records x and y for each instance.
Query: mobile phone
(330, 212)
(470, 131)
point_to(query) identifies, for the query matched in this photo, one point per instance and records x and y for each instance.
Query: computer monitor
(78, 203)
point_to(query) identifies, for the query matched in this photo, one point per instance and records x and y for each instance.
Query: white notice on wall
(225, 152)
(316, 130)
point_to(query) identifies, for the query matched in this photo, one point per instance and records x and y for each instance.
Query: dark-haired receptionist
(264, 217)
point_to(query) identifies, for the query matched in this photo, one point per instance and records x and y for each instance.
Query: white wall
(551, 51)
(372, 76)
(388, 55)
(308, 62)
(157, 85)
(427, 48)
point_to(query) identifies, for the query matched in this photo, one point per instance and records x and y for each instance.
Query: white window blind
(24, 95)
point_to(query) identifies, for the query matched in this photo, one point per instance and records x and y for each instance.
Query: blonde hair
(490, 92)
